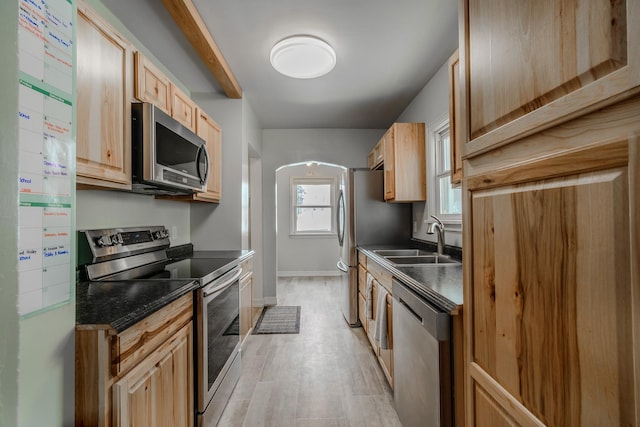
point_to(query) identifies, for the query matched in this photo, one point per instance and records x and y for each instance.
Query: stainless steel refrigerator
(364, 218)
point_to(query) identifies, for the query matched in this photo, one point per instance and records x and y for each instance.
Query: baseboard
(308, 273)
(258, 302)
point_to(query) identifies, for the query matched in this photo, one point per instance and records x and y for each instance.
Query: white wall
(303, 255)
(430, 106)
(345, 147)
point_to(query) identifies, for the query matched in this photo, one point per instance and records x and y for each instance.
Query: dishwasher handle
(432, 319)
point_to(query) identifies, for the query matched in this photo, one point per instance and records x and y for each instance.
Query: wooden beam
(188, 19)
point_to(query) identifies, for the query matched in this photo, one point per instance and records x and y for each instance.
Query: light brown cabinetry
(183, 109)
(104, 87)
(381, 278)
(532, 64)
(154, 392)
(246, 298)
(455, 133)
(551, 222)
(142, 376)
(402, 149)
(552, 288)
(151, 84)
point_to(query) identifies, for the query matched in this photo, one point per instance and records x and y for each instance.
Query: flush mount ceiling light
(303, 57)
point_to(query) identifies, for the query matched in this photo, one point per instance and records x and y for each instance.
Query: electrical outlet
(174, 233)
(415, 226)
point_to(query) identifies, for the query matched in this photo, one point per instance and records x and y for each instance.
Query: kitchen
(43, 355)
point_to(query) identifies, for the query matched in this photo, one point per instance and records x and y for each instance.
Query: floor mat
(279, 320)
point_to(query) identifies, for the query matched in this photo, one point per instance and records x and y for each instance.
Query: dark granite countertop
(440, 285)
(118, 305)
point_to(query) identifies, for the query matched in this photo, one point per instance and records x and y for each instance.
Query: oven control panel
(104, 244)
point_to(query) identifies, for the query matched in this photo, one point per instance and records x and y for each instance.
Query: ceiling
(386, 52)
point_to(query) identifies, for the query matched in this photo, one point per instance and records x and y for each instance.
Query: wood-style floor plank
(325, 376)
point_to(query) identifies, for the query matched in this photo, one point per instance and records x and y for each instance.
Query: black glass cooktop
(205, 269)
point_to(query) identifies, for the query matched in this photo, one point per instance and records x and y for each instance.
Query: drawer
(247, 266)
(362, 259)
(132, 345)
(381, 274)
(362, 279)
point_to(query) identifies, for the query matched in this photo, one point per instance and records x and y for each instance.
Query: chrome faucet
(437, 226)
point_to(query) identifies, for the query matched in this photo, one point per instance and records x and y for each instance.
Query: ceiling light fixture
(303, 57)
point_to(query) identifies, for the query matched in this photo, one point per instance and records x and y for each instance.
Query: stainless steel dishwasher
(421, 360)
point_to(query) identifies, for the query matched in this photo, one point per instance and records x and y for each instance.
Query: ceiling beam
(188, 19)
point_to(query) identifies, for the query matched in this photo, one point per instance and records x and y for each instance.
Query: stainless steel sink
(432, 259)
(402, 252)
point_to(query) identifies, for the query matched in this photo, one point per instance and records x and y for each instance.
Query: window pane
(313, 219)
(445, 156)
(450, 198)
(313, 194)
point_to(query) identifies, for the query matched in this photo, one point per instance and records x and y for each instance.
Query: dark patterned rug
(279, 320)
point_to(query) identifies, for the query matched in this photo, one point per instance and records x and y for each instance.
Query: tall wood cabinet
(104, 90)
(551, 212)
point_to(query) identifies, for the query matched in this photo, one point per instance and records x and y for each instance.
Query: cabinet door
(534, 64)
(386, 355)
(183, 109)
(211, 132)
(388, 148)
(151, 85)
(246, 290)
(374, 160)
(103, 79)
(159, 391)
(553, 292)
(362, 311)
(455, 133)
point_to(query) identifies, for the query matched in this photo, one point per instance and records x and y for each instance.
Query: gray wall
(104, 209)
(36, 353)
(345, 147)
(303, 255)
(9, 319)
(430, 106)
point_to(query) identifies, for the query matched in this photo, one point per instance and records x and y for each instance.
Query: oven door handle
(223, 282)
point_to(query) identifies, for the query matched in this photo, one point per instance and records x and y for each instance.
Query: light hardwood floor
(327, 375)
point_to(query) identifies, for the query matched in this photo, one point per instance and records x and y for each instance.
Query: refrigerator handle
(342, 267)
(340, 220)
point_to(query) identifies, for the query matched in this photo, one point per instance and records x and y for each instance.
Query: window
(313, 206)
(448, 204)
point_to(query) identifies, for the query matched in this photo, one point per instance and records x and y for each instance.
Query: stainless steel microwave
(167, 158)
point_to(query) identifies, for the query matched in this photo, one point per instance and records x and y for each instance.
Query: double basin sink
(409, 257)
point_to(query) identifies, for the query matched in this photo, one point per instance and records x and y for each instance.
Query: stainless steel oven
(218, 345)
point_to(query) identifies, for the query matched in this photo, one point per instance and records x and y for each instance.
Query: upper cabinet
(401, 152)
(183, 109)
(151, 84)
(455, 119)
(104, 91)
(531, 65)
(154, 87)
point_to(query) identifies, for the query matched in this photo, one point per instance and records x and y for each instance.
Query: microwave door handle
(202, 151)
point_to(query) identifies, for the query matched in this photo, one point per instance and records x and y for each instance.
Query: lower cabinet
(246, 298)
(153, 393)
(380, 279)
(142, 376)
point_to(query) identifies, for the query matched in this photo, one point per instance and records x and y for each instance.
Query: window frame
(454, 221)
(316, 180)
